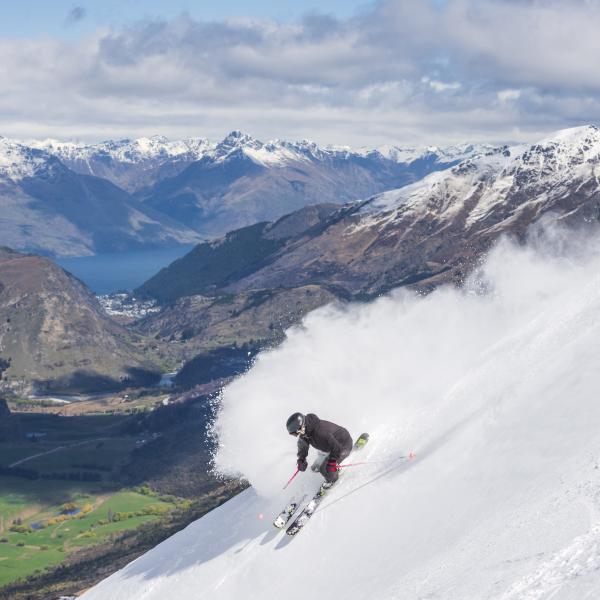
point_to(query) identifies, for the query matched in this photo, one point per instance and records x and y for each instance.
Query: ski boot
(325, 486)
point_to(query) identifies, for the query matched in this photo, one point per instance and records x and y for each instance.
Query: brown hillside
(55, 336)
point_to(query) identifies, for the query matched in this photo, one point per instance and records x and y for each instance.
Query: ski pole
(411, 455)
(291, 478)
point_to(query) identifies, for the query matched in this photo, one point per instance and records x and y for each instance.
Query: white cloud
(508, 95)
(403, 71)
(440, 86)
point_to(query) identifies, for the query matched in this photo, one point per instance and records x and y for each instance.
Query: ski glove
(302, 464)
(332, 465)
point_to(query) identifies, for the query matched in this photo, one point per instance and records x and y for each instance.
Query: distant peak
(572, 135)
(238, 137)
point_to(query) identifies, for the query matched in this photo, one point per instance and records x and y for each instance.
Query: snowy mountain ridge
(18, 161)
(548, 168)
(212, 188)
(126, 150)
(48, 208)
(272, 152)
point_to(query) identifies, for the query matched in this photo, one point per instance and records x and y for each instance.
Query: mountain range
(245, 289)
(242, 181)
(431, 232)
(130, 164)
(75, 199)
(48, 208)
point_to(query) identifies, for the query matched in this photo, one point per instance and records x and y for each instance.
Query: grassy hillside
(80, 492)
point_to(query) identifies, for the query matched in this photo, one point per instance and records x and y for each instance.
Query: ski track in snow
(496, 393)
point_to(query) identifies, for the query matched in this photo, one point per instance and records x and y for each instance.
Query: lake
(108, 273)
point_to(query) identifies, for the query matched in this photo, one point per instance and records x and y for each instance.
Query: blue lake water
(108, 273)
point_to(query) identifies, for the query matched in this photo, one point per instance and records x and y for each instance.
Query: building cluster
(122, 304)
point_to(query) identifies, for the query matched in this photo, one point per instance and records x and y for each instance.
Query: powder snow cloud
(400, 70)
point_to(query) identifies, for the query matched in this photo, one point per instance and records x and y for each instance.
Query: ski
(286, 514)
(307, 512)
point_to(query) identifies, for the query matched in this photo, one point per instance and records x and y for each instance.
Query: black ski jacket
(324, 436)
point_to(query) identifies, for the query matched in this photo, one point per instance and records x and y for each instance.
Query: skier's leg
(318, 462)
(332, 476)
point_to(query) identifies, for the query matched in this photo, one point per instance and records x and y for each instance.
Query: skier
(328, 437)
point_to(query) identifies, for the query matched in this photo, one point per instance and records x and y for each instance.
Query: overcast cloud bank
(402, 71)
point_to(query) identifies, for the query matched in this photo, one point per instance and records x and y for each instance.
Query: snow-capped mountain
(443, 154)
(436, 227)
(48, 208)
(130, 164)
(209, 187)
(217, 187)
(18, 161)
(243, 180)
(425, 234)
(496, 394)
(432, 232)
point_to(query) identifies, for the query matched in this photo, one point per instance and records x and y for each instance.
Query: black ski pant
(332, 477)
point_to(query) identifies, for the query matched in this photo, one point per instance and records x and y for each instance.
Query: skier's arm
(302, 448)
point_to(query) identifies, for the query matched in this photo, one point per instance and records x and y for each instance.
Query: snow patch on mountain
(443, 154)
(494, 388)
(557, 165)
(18, 161)
(127, 150)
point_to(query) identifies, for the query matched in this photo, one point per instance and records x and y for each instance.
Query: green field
(24, 553)
(71, 447)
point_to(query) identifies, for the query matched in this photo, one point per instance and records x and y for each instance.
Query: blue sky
(334, 71)
(68, 19)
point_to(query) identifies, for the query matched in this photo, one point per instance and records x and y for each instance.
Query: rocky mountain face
(49, 208)
(431, 232)
(54, 336)
(243, 180)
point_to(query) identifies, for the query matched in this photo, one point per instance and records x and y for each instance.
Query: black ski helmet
(295, 423)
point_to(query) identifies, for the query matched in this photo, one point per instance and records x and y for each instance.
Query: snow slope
(558, 166)
(495, 388)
